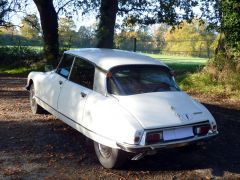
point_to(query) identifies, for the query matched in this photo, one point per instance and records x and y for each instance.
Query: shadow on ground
(220, 154)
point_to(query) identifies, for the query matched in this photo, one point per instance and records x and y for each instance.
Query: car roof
(108, 58)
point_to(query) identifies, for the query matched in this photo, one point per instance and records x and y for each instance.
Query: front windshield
(137, 79)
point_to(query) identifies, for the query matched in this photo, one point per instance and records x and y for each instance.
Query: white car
(129, 104)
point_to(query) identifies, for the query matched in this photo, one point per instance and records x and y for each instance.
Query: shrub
(19, 56)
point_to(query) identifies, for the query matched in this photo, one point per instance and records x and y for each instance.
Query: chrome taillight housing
(154, 137)
(202, 130)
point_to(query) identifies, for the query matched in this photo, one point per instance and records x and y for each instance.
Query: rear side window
(83, 73)
(65, 65)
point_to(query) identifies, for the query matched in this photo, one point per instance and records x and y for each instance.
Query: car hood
(163, 109)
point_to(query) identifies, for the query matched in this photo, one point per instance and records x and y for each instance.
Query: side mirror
(48, 68)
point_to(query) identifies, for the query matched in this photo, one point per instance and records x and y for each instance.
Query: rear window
(137, 79)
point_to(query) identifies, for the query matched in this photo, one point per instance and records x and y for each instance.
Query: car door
(54, 81)
(75, 91)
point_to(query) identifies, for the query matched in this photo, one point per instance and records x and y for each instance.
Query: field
(181, 63)
(178, 63)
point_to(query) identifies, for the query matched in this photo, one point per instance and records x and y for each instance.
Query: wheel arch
(30, 82)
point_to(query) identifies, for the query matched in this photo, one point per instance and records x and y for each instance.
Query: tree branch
(63, 6)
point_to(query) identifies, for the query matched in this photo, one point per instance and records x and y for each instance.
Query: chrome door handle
(83, 94)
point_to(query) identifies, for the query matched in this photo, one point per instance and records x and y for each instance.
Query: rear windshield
(137, 79)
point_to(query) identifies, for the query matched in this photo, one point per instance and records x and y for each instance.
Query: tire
(110, 158)
(36, 109)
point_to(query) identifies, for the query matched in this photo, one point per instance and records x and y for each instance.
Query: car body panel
(163, 109)
(73, 106)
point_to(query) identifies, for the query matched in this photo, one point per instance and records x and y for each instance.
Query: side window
(65, 65)
(83, 73)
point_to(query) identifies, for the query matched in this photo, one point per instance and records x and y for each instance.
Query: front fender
(31, 79)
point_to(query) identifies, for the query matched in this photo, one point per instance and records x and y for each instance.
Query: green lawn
(180, 63)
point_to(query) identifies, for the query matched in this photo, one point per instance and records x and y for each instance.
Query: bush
(19, 56)
(213, 82)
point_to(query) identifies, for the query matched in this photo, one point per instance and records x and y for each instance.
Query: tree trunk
(49, 23)
(105, 32)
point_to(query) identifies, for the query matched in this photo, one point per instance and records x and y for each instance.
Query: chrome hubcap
(105, 151)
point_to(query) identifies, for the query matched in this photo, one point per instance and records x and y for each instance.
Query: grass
(203, 83)
(181, 64)
(19, 70)
(192, 79)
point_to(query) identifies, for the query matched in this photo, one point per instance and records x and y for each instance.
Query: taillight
(153, 138)
(202, 130)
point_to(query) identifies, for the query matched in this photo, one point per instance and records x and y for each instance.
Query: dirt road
(40, 146)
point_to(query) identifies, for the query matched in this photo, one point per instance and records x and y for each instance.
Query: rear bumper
(172, 144)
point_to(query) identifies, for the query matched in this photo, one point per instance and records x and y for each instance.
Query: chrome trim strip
(146, 148)
(143, 140)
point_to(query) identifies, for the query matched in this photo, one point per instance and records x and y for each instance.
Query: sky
(87, 20)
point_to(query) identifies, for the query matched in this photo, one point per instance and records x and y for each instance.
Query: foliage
(19, 56)
(124, 40)
(159, 36)
(203, 83)
(190, 39)
(6, 6)
(66, 31)
(231, 22)
(159, 11)
(85, 37)
(147, 40)
(30, 27)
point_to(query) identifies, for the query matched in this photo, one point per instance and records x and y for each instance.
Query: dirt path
(40, 146)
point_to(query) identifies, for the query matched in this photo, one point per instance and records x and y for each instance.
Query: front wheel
(110, 157)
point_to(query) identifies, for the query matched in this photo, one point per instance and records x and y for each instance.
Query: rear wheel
(36, 109)
(110, 157)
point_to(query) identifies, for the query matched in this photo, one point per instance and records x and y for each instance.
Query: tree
(8, 30)
(30, 27)
(105, 32)
(142, 12)
(49, 24)
(5, 8)
(191, 39)
(66, 31)
(85, 37)
(159, 36)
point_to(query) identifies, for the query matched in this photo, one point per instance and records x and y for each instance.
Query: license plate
(178, 133)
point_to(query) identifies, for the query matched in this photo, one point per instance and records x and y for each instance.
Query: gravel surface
(42, 147)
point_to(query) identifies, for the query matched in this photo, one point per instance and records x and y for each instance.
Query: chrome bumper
(172, 144)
